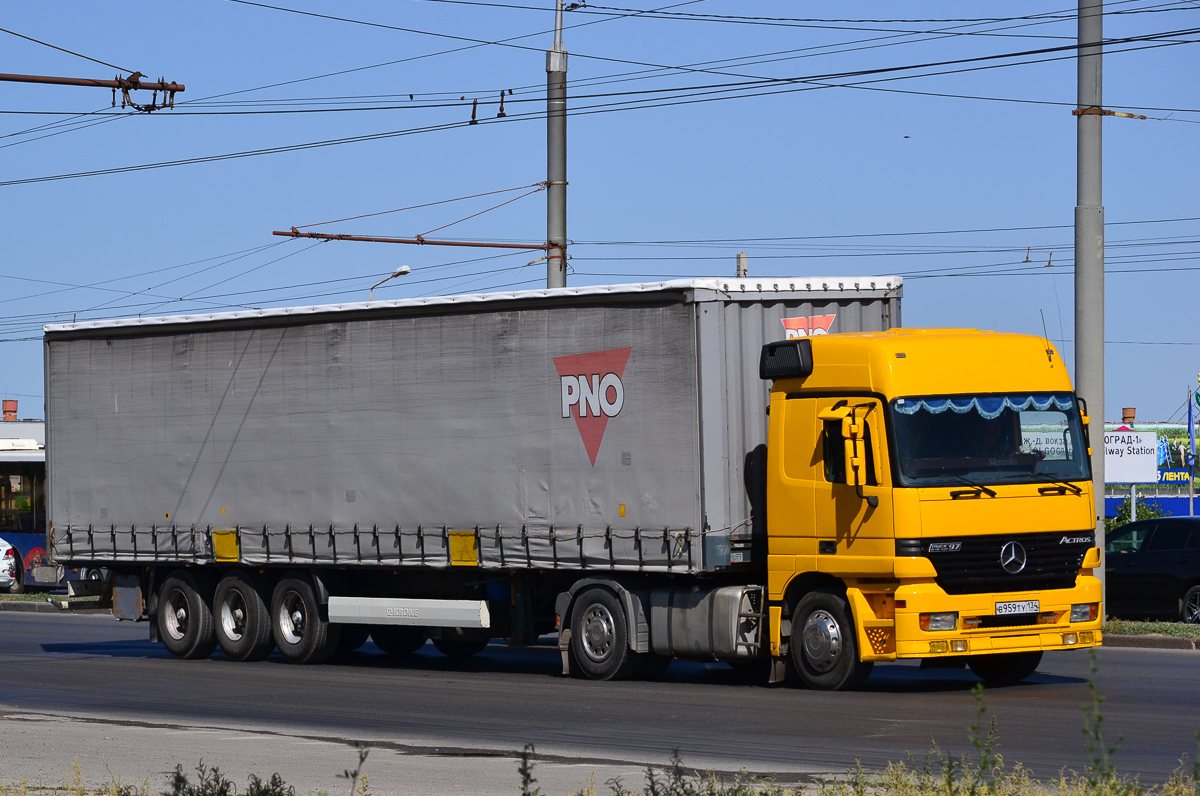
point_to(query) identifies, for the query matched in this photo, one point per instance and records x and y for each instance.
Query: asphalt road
(104, 675)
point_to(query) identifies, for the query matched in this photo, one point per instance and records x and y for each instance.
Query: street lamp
(401, 271)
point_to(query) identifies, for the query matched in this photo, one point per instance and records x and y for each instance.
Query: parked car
(10, 568)
(1153, 570)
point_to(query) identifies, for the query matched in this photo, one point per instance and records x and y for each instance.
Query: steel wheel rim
(1191, 609)
(599, 634)
(233, 615)
(177, 616)
(822, 638)
(293, 618)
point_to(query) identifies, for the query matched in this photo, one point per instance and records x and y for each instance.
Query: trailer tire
(600, 637)
(399, 640)
(461, 647)
(351, 637)
(1005, 668)
(185, 620)
(300, 633)
(242, 619)
(823, 644)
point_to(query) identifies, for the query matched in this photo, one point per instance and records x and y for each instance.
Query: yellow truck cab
(929, 497)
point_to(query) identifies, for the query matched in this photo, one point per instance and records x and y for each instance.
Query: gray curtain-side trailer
(409, 449)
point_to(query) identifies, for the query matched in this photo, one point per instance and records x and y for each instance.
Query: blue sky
(809, 177)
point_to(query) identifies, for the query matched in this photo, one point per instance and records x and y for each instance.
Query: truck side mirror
(854, 432)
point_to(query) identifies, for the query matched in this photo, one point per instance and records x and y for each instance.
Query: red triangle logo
(592, 391)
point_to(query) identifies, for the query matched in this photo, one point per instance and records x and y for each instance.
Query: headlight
(1085, 612)
(944, 621)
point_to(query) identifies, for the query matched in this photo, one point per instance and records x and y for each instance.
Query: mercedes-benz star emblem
(1012, 557)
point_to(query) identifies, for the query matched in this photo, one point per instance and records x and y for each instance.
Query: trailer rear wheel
(243, 621)
(464, 647)
(823, 644)
(600, 637)
(399, 640)
(1005, 667)
(300, 633)
(351, 637)
(185, 621)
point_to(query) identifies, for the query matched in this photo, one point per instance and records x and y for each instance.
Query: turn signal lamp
(1085, 612)
(942, 621)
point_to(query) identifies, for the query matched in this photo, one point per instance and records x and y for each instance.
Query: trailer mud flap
(128, 602)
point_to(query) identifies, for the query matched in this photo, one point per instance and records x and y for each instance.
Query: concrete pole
(1089, 244)
(743, 265)
(556, 157)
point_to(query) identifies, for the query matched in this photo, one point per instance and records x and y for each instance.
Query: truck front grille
(972, 564)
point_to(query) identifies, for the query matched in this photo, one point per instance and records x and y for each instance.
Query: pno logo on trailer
(807, 327)
(591, 391)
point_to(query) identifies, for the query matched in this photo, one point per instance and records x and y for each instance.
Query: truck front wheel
(300, 633)
(824, 646)
(185, 622)
(243, 621)
(1005, 667)
(600, 637)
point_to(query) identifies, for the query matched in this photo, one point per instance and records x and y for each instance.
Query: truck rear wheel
(600, 637)
(399, 640)
(1005, 667)
(242, 619)
(185, 621)
(824, 646)
(300, 633)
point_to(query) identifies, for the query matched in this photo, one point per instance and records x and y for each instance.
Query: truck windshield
(989, 439)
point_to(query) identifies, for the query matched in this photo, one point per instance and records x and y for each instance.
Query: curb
(1155, 641)
(28, 608)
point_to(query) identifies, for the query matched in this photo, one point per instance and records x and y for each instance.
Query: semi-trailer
(768, 472)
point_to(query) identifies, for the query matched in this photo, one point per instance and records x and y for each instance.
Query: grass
(40, 597)
(1124, 627)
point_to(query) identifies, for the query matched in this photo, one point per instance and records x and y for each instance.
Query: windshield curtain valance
(989, 406)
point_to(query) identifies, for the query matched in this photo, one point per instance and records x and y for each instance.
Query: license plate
(1018, 607)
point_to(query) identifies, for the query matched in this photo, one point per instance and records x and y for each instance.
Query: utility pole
(1089, 243)
(556, 157)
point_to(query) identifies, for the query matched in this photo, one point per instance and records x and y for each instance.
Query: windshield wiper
(1062, 487)
(970, 483)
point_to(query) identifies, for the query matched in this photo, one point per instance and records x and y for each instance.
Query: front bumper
(910, 641)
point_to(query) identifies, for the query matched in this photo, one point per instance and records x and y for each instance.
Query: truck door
(844, 514)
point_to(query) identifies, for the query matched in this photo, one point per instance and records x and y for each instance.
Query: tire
(824, 646)
(600, 637)
(351, 637)
(18, 584)
(242, 619)
(399, 640)
(461, 647)
(185, 620)
(1189, 607)
(1005, 668)
(300, 633)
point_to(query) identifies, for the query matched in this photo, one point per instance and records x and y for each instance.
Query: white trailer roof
(707, 288)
